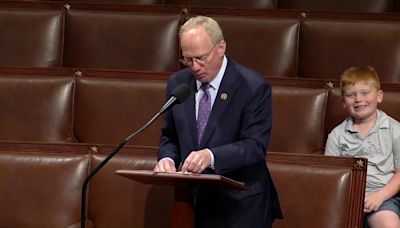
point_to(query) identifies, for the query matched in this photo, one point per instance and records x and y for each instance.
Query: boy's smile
(361, 101)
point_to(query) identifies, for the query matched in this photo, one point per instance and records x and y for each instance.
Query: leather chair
(116, 201)
(41, 189)
(36, 108)
(31, 37)
(108, 110)
(298, 119)
(337, 5)
(318, 191)
(268, 45)
(328, 46)
(140, 41)
(261, 4)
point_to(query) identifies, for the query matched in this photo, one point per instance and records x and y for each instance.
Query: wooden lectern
(182, 211)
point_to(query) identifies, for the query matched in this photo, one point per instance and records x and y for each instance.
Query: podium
(182, 211)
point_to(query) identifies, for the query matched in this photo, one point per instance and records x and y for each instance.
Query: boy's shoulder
(385, 117)
(340, 129)
(394, 126)
(388, 122)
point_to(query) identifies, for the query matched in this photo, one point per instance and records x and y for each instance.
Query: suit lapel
(224, 97)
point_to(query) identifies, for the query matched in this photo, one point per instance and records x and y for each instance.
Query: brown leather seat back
(297, 119)
(330, 46)
(337, 5)
(314, 190)
(140, 41)
(390, 103)
(318, 191)
(41, 189)
(117, 201)
(268, 45)
(31, 37)
(108, 110)
(36, 108)
(264, 4)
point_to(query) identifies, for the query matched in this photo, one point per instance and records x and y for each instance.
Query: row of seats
(41, 187)
(327, 5)
(104, 108)
(54, 128)
(57, 124)
(277, 43)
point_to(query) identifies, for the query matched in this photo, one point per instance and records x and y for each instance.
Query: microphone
(178, 95)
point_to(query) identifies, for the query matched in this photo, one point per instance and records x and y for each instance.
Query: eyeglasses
(201, 60)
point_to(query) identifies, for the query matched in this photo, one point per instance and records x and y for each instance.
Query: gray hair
(210, 25)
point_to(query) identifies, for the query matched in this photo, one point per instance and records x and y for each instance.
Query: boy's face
(361, 101)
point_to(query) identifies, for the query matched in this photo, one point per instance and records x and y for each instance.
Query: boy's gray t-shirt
(381, 147)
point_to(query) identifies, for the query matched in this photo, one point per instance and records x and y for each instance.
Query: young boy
(369, 133)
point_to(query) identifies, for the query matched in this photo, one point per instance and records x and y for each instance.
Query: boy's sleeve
(396, 145)
(332, 145)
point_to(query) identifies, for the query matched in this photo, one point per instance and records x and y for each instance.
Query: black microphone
(178, 95)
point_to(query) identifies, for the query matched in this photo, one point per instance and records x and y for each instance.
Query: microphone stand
(114, 152)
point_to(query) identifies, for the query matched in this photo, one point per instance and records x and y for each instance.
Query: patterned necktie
(204, 110)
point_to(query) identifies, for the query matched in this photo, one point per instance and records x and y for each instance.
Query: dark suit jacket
(237, 132)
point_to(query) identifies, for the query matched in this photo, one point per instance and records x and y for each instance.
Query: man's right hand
(165, 165)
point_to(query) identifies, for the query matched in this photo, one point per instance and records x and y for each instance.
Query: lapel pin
(224, 96)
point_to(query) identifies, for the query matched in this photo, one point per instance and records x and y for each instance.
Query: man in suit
(223, 128)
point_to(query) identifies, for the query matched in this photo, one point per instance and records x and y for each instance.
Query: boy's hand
(372, 202)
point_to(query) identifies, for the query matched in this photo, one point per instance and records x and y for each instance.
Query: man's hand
(197, 161)
(165, 165)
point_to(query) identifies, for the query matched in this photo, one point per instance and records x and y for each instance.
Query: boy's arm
(392, 187)
(373, 201)
(332, 145)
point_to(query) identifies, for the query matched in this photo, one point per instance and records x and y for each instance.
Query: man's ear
(222, 47)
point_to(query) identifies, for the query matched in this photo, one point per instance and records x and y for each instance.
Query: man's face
(201, 55)
(361, 100)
